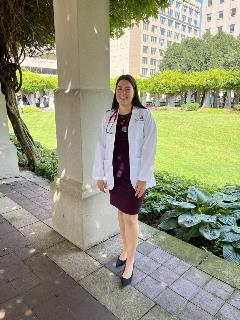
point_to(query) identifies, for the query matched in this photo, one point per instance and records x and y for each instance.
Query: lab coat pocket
(108, 171)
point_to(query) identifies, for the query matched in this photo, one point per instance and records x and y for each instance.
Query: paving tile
(150, 287)
(164, 275)
(106, 250)
(20, 218)
(25, 252)
(7, 292)
(1, 195)
(146, 265)
(146, 231)
(145, 248)
(234, 300)
(171, 301)
(14, 270)
(7, 205)
(177, 265)
(12, 241)
(5, 227)
(160, 255)
(219, 288)
(228, 312)
(16, 309)
(40, 235)
(25, 282)
(41, 213)
(158, 313)
(192, 312)
(207, 301)
(185, 288)
(196, 276)
(72, 260)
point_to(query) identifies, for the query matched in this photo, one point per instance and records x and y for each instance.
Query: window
(177, 15)
(152, 71)
(178, 5)
(170, 12)
(220, 29)
(145, 49)
(220, 15)
(195, 32)
(221, 1)
(153, 51)
(144, 60)
(184, 28)
(161, 52)
(184, 8)
(145, 26)
(162, 31)
(153, 39)
(233, 12)
(182, 36)
(169, 33)
(209, 3)
(232, 27)
(170, 23)
(190, 10)
(196, 14)
(145, 37)
(161, 42)
(184, 18)
(189, 30)
(176, 35)
(169, 43)
(153, 29)
(195, 23)
(177, 25)
(153, 62)
(189, 20)
(144, 71)
(162, 20)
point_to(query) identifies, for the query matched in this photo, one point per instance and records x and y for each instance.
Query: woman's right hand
(102, 185)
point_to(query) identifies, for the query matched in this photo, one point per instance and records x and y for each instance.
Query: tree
(199, 54)
(27, 28)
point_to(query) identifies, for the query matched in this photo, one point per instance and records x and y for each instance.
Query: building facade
(221, 15)
(140, 50)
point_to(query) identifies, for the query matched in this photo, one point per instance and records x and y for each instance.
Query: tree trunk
(202, 100)
(20, 129)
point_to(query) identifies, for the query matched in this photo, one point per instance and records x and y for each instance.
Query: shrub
(236, 107)
(48, 164)
(190, 106)
(29, 109)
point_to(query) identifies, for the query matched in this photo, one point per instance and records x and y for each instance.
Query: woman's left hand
(140, 188)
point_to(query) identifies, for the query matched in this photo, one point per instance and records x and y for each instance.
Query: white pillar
(228, 99)
(206, 102)
(8, 154)
(171, 100)
(189, 94)
(81, 213)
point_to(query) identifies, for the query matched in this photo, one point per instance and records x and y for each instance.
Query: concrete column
(188, 100)
(81, 213)
(8, 152)
(206, 102)
(171, 100)
(228, 99)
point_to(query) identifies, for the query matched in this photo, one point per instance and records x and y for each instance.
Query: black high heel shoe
(120, 262)
(126, 281)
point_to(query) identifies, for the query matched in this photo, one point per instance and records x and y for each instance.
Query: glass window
(154, 28)
(195, 23)
(169, 43)
(145, 26)
(189, 20)
(189, 29)
(161, 52)
(145, 49)
(184, 18)
(209, 3)
(233, 12)
(170, 23)
(162, 31)
(184, 8)
(145, 37)
(152, 71)
(195, 32)
(220, 14)
(161, 42)
(190, 10)
(177, 25)
(153, 51)
(196, 14)
(220, 29)
(182, 36)
(153, 39)
(232, 28)
(178, 5)
(184, 28)
(169, 33)
(144, 71)
(162, 20)
(144, 60)
(177, 15)
(170, 12)
(153, 62)
(221, 1)
(176, 35)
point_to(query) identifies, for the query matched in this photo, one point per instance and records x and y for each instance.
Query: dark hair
(136, 100)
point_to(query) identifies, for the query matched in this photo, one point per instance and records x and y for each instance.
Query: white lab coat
(142, 139)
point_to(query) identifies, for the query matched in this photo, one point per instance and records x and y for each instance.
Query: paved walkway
(45, 277)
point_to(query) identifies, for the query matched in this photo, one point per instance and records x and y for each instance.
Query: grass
(201, 145)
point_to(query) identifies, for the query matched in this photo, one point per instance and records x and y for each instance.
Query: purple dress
(122, 196)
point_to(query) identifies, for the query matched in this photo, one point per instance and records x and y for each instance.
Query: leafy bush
(215, 217)
(236, 107)
(48, 164)
(190, 106)
(29, 109)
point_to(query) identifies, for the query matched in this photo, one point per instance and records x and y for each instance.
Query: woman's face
(124, 92)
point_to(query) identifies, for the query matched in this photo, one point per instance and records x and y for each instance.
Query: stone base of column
(84, 218)
(8, 161)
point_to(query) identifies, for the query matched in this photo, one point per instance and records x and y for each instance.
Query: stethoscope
(115, 115)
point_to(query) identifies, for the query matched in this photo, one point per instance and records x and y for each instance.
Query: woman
(124, 163)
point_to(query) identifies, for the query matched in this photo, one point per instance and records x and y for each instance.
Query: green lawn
(200, 145)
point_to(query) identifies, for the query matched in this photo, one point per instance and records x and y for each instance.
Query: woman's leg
(131, 236)
(123, 255)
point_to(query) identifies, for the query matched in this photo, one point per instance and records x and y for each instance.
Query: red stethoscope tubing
(115, 114)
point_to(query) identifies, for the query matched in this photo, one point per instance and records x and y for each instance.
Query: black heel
(120, 262)
(126, 281)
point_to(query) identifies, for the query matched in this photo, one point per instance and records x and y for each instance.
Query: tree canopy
(199, 54)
